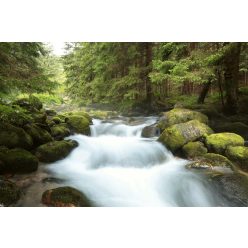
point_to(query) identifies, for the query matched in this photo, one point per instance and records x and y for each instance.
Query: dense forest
(128, 75)
(124, 116)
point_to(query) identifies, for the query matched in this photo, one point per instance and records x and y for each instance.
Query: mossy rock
(39, 116)
(17, 161)
(232, 127)
(194, 149)
(9, 193)
(55, 150)
(211, 160)
(13, 137)
(78, 124)
(14, 115)
(51, 112)
(31, 103)
(56, 119)
(60, 131)
(180, 115)
(65, 197)
(77, 113)
(40, 136)
(175, 136)
(219, 142)
(239, 155)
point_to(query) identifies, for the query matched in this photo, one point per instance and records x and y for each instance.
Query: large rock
(174, 137)
(150, 131)
(12, 137)
(60, 131)
(17, 161)
(232, 127)
(40, 136)
(65, 197)
(239, 155)
(14, 115)
(220, 141)
(55, 150)
(78, 124)
(233, 188)
(180, 115)
(9, 193)
(39, 116)
(210, 160)
(29, 103)
(194, 149)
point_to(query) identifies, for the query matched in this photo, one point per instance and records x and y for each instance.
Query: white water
(116, 167)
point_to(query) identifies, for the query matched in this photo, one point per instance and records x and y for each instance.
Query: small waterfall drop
(117, 167)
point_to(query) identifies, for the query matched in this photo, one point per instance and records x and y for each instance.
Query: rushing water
(117, 167)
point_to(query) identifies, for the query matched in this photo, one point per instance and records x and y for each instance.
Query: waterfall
(117, 167)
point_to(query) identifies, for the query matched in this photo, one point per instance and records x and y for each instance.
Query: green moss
(50, 112)
(232, 127)
(55, 150)
(178, 135)
(11, 137)
(39, 116)
(9, 193)
(65, 197)
(60, 131)
(17, 161)
(77, 113)
(14, 115)
(194, 149)
(239, 155)
(78, 124)
(40, 136)
(180, 115)
(31, 103)
(220, 141)
(56, 119)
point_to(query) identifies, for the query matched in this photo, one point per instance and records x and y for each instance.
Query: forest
(116, 113)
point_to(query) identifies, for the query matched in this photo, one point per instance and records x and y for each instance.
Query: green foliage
(21, 68)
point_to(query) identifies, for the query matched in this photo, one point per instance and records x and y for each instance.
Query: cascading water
(116, 167)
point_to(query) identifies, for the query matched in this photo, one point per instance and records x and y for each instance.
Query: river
(116, 167)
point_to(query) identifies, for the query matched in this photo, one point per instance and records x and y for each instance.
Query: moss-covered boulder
(56, 119)
(55, 150)
(78, 124)
(194, 149)
(232, 127)
(39, 116)
(180, 115)
(14, 115)
(39, 135)
(9, 193)
(31, 103)
(51, 112)
(78, 113)
(210, 160)
(60, 131)
(65, 197)
(17, 161)
(175, 136)
(239, 155)
(12, 137)
(220, 141)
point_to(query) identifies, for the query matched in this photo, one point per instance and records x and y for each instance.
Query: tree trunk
(204, 92)
(148, 62)
(231, 70)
